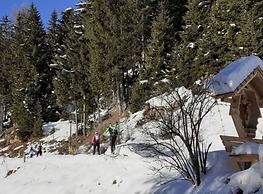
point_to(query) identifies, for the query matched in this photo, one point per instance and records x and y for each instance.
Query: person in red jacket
(96, 140)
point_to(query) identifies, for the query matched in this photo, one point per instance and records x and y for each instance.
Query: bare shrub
(178, 138)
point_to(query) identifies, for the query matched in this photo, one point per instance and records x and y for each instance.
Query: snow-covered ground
(130, 171)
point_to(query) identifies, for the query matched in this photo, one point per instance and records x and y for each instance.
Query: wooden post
(70, 129)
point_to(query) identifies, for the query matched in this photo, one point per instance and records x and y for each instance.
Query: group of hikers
(32, 151)
(112, 130)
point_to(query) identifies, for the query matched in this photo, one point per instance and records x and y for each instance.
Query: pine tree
(158, 55)
(40, 89)
(72, 63)
(258, 26)
(225, 27)
(63, 82)
(86, 102)
(141, 92)
(32, 78)
(53, 40)
(126, 28)
(249, 39)
(53, 37)
(146, 13)
(205, 53)
(228, 37)
(20, 113)
(21, 117)
(114, 33)
(6, 60)
(195, 21)
(175, 11)
(99, 41)
(214, 36)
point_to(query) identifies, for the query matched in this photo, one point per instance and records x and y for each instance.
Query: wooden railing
(242, 161)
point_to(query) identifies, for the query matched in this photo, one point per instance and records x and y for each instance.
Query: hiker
(96, 140)
(39, 151)
(31, 152)
(113, 136)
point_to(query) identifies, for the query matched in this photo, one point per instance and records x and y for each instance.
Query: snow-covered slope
(130, 172)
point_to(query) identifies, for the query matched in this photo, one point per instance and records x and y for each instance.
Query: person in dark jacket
(39, 151)
(113, 137)
(95, 141)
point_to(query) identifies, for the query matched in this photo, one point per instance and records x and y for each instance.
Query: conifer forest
(116, 53)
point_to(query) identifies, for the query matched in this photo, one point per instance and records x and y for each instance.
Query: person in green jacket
(110, 126)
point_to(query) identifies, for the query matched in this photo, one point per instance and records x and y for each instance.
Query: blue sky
(45, 7)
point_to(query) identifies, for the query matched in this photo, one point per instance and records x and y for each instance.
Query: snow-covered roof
(228, 79)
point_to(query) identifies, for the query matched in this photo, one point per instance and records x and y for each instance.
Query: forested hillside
(117, 53)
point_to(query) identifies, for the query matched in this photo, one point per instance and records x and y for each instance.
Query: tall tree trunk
(76, 117)
(1, 116)
(118, 97)
(84, 116)
(97, 100)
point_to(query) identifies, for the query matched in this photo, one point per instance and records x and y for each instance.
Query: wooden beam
(226, 95)
(231, 142)
(260, 103)
(245, 82)
(245, 157)
(225, 99)
(238, 124)
(239, 161)
(240, 139)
